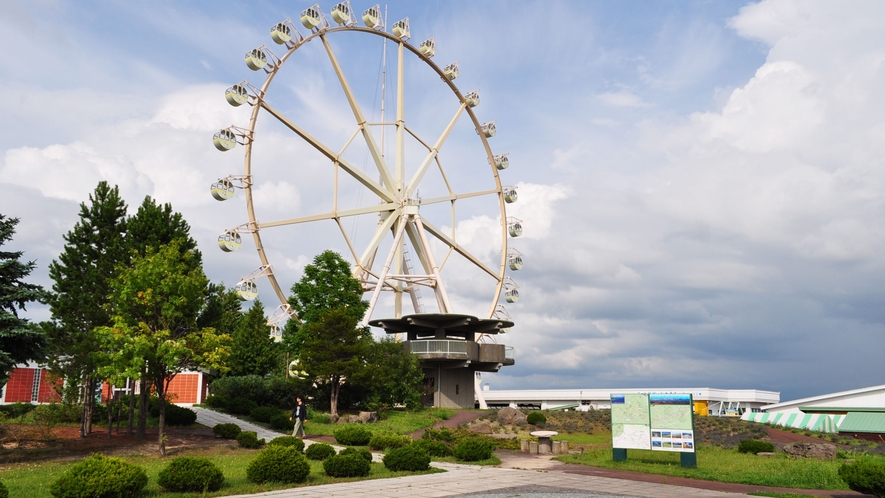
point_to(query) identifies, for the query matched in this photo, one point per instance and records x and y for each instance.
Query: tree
(327, 284)
(94, 249)
(20, 341)
(222, 311)
(151, 227)
(335, 348)
(254, 350)
(156, 302)
(393, 376)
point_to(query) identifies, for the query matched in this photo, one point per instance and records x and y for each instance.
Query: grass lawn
(718, 464)
(34, 479)
(397, 421)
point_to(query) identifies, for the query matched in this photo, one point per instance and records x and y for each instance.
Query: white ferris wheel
(402, 217)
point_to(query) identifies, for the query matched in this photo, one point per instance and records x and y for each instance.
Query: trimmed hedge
(350, 465)
(264, 413)
(100, 476)
(754, 446)
(227, 431)
(473, 450)
(319, 451)
(191, 474)
(292, 441)
(249, 439)
(536, 418)
(364, 453)
(864, 476)
(273, 391)
(353, 435)
(216, 402)
(278, 464)
(433, 448)
(240, 406)
(384, 441)
(281, 422)
(408, 458)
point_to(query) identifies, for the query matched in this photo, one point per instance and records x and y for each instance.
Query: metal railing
(436, 346)
(508, 352)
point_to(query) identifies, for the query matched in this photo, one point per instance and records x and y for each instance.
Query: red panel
(48, 383)
(20, 384)
(183, 388)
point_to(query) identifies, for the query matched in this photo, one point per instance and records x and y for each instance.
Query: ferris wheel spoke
(431, 155)
(454, 197)
(353, 171)
(380, 232)
(330, 215)
(439, 234)
(377, 154)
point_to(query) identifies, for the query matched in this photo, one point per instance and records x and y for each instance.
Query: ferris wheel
(409, 203)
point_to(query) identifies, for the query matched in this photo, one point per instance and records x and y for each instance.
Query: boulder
(349, 419)
(510, 415)
(481, 428)
(820, 451)
(368, 417)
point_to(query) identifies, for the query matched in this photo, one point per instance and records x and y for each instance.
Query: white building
(707, 400)
(826, 412)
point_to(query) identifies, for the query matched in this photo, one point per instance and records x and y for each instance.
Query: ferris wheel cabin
(281, 33)
(256, 59)
(236, 95)
(222, 190)
(341, 13)
(372, 17)
(246, 290)
(310, 17)
(401, 29)
(230, 241)
(451, 71)
(224, 140)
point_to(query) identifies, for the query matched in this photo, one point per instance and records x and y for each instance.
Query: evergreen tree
(93, 250)
(20, 341)
(254, 350)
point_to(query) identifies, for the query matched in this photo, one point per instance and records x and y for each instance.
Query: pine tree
(20, 341)
(93, 251)
(254, 351)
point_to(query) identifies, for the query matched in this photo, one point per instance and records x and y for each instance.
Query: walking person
(299, 415)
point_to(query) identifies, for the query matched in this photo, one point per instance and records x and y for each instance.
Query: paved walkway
(473, 481)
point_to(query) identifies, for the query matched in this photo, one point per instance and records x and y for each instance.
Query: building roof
(824, 397)
(571, 395)
(840, 410)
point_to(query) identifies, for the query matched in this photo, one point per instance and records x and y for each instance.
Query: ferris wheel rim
(260, 103)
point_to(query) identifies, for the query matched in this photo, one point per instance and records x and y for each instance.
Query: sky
(700, 183)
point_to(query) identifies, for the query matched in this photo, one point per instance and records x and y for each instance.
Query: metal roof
(836, 410)
(863, 422)
(824, 397)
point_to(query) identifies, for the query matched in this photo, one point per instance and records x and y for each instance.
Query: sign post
(657, 422)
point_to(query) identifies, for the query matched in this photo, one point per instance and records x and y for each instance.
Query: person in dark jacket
(298, 415)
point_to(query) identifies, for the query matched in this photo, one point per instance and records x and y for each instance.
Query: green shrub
(179, 415)
(191, 474)
(278, 464)
(473, 450)
(227, 431)
(216, 402)
(754, 446)
(410, 458)
(384, 441)
(444, 435)
(281, 422)
(350, 465)
(536, 418)
(4, 493)
(273, 391)
(249, 439)
(864, 476)
(241, 406)
(353, 435)
(433, 448)
(292, 441)
(16, 410)
(100, 476)
(319, 451)
(364, 453)
(264, 413)
(319, 418)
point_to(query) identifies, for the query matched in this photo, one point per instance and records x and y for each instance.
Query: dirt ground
(26, 443)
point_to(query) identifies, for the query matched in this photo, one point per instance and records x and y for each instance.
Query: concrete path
(472, 480)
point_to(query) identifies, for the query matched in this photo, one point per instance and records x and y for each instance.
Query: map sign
(672, 428)
(630, 421)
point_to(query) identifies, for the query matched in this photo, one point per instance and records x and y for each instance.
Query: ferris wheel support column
(383, 275)
(440, 288)
(400, 173)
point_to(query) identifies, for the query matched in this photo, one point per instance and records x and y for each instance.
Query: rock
(481, 428)
(349, 419)
(765, 453)
(820, 451)
(510, 415)
(368, 417)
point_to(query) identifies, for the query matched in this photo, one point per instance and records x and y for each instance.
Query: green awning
(863, 422)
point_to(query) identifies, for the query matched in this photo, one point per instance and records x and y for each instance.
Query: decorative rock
(368, 417)
(533, 447)
(480, 428)
(820, 451)
(524, 445)
(563, 447)
(349, 419)
(510, 415)
(557, 448)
